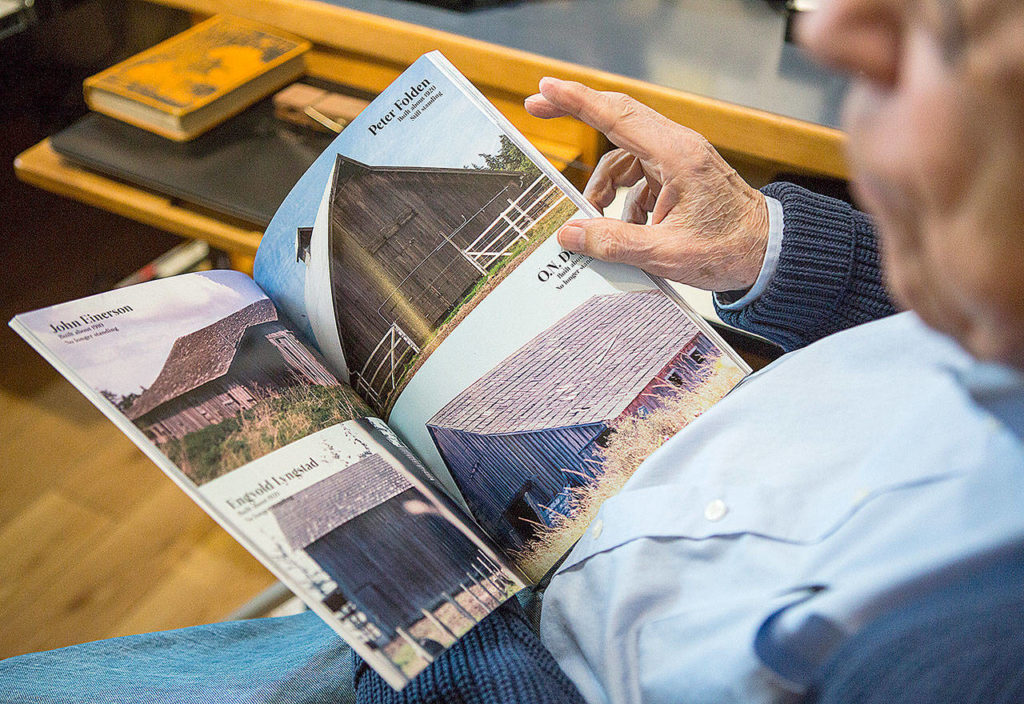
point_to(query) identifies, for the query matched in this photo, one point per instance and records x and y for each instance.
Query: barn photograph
(203, 365)
(236, 389)
(403, 577)
(407, 251)
(537, 442)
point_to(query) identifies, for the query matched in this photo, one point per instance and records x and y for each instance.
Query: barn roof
(201, 356)
(586, 368)
(317, 510)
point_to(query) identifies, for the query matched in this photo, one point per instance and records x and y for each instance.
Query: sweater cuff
(812, 274)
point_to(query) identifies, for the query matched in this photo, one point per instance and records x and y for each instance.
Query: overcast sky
(162, 311)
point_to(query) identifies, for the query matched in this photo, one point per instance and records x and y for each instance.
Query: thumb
(606, 239)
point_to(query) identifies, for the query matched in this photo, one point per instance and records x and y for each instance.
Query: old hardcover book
(421, 401)
(194, 80)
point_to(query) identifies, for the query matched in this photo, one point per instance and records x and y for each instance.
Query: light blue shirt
(843, 480)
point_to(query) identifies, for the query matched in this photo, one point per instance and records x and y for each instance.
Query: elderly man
(846, 525)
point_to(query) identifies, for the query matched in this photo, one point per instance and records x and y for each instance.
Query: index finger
(627, 122)
(538, 106)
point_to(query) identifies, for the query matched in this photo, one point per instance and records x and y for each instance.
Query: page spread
(417, 252)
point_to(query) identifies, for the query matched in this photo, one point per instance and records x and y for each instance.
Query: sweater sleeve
(827, 278)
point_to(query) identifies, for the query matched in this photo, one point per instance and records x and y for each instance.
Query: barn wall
(301, 360)
(259, 369)
(206, 405)
(490, 470)
(688, 369)
(391, 564)
(429, 208)
(388, 231)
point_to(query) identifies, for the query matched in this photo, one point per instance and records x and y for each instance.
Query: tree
(126, 401)
(509, 157)
(122, 403)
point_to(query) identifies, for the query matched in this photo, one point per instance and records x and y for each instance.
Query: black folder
(243, 168)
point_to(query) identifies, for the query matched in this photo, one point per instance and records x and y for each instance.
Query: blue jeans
(288, 660)
(294, 659)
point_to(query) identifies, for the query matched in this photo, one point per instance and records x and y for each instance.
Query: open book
(410, 277)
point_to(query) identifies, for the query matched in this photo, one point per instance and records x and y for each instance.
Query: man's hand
(708, 228)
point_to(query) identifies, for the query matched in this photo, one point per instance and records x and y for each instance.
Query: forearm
(827, 277)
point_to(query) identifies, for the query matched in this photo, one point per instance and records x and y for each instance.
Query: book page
(532, 379)
(206, 377)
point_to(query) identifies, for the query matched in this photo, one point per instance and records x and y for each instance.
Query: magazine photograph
(539, 441)
(403, 225)
(417, 263)
(251, 421)
(214, 380)
(355, 528)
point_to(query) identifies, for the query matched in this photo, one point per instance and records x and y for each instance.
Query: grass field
(274, 422)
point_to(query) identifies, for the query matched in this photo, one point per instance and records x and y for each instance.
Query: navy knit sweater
(828, 275)
(827, 279)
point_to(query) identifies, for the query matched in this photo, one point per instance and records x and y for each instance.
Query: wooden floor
(94, 541)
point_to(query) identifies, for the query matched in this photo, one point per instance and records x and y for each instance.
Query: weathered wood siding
(210, 404)
(391, 564)
(268, 358)
(395, 246)
(301, 361)
(685, 371)
(491, 470)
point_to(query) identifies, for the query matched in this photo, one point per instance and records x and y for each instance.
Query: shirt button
(715, 510)
(596, 527)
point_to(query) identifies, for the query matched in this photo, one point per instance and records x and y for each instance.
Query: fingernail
(571, 237)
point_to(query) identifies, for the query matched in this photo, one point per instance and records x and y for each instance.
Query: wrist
(755, 227)
(743, 244)
(766, 259)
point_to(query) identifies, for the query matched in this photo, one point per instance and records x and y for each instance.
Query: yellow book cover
(197, 78)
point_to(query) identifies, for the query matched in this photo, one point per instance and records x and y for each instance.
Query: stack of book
(197, 79)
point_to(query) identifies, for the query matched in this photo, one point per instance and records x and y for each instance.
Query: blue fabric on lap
(294, 659)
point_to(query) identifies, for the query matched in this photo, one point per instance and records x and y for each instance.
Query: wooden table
(368, 51)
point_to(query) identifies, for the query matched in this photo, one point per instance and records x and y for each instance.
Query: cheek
(911, 140)
(941, 155)
(990, 274)
(911, 170)
(946, 194)
(884, 182)
(914, 150)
